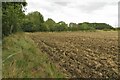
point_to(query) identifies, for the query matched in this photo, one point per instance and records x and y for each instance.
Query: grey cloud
(91, 7)
(55, 5)
(75, 9)
(62, 3)
(48, 8)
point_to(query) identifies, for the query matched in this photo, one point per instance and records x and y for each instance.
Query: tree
(101, 26)
(36, 21)
(12, 17)
(61, 26)
(27, 27)
(94, 26)
(73, 27)
(84, 26)
(50, 24)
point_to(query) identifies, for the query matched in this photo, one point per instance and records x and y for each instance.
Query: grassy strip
(23, 59)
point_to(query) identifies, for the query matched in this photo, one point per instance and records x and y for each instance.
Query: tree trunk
(11, 29)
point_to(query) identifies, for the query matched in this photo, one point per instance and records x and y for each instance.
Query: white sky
(78, 11)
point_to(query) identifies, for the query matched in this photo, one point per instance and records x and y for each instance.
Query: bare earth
(81, 54)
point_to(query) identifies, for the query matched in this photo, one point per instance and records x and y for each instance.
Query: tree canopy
(14, 20)
(12, 16)
(33, 22)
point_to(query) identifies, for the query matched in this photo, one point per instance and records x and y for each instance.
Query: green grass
(23, 59)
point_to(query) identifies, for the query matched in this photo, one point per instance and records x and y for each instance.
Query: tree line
(15, 20)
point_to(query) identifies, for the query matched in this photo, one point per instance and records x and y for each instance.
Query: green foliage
(12, 16)
(61, 26)
(35, 17)
(101, 26)
(50, 24)
(94, 26)
(84, 26)
(73, 27)
(43, 27)
(34, 22)
(27, 27)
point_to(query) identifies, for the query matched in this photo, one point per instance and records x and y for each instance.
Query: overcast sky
(78, 11)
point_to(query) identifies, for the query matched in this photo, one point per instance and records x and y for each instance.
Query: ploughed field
(81, 54)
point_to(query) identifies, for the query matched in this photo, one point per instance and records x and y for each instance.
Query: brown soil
(81, 54)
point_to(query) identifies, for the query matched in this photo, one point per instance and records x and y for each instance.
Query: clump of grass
(23, 59)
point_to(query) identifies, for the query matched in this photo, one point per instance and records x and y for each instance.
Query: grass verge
(23, 59)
